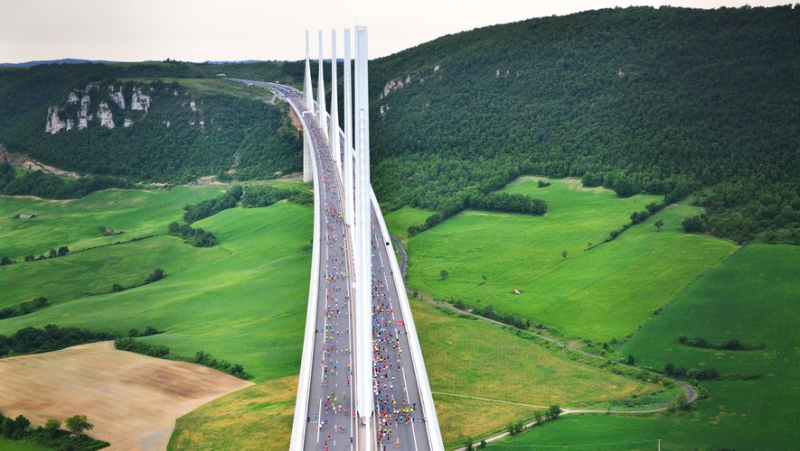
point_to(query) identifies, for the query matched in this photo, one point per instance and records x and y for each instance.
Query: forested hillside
(667, 101)
(124, 120)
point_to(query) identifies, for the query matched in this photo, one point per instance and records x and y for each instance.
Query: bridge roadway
(330, 419)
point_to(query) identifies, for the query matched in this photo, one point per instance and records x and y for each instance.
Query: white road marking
(405, 388)
(319, 418)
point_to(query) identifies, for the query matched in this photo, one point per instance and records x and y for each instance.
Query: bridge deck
(330, 422)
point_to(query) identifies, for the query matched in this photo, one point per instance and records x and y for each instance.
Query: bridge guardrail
(428, 409)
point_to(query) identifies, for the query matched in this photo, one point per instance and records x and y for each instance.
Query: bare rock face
(118, 98)
(105, 116)
(83, 115)
(96, 100)
(54, 123)
(140, 101)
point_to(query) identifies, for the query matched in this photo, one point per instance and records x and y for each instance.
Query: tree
(5, 261)
(53, 253)
(21, 425)
(133, 333)
(537, 416)
(631, 360)
(52, 426)
(468, 444)
(158, 274)
(443, 274)
(659, 224)
(116, 288)
(696, 224)
(77, 424)
(29, 258)
(564, 254)
(63, 250)
(553, 412)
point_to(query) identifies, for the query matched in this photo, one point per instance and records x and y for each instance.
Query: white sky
(200, 30)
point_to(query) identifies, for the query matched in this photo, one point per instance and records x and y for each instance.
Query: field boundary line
(497, 401)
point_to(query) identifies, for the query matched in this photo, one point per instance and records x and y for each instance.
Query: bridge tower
(363, 249)
(334, 133)
(309, 97)
(348, 132)
(323, 115)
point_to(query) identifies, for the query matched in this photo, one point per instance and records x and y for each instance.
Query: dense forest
(667, 101)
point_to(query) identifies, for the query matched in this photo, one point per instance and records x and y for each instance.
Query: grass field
(752, 297)
(243, 301)
(472, 358)
(75, 223)
(13, 445)
(400, 220)
(258, 417)
(602, 294)
(96, 270)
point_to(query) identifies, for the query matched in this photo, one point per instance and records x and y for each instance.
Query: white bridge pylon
(370, 276)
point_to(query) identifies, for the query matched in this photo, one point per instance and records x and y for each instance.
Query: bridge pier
(309, 98)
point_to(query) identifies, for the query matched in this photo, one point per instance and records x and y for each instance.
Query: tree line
(51, 434)
(31, 340)
(195, 237)
(48, 186)
(265, 195)
(163, 352)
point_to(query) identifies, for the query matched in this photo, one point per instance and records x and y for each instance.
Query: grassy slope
(247, 308)
(75, 223)
(463, 357)
(604, 297)
(15, 445)
(751, 297)
(257, 417)
(94, 271)
(400, 220)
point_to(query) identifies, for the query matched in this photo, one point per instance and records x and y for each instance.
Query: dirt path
(132, 400)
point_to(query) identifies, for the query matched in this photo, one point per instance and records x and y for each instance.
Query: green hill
(664, 101)
(135, 122)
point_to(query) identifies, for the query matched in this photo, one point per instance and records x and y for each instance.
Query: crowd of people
(335, 417)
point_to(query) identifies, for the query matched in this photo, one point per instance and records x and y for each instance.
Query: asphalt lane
(400, 424)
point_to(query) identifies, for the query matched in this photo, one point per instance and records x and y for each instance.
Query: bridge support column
(348, 133)
(362, 241)
(323, 118)
(308, 175)
(334, 134)
(309, 98)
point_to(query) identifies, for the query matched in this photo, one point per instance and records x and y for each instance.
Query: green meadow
(398, 221)
(243, 301)
(483, 375)
(751, 297)
(603, 293)
(76, 223)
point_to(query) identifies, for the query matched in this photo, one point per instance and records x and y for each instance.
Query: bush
(195, 237)
(696, 224)
(157, 275)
